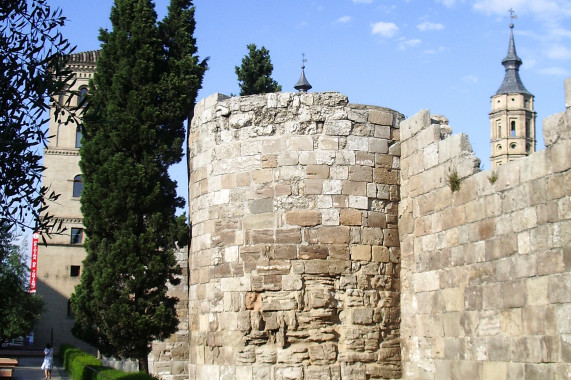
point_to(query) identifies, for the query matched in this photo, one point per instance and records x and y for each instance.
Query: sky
(408, 55)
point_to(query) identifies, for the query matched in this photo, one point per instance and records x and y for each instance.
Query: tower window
(527, 128)
(78, 135)
(77, 186)
(499, 124)
(82, 96)
(74, 271)
(512, 128)
(513, 146)
(76, 235)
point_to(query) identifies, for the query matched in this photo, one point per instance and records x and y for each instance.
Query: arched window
(77, 186)
(82, 96)
(499, 123)
(78, 135)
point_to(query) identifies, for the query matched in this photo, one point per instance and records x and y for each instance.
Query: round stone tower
(295, 250)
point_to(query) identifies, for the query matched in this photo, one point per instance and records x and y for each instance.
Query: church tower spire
(512, 118)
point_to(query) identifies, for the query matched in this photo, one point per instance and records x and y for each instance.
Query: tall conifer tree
(254, 75)
(144, 88)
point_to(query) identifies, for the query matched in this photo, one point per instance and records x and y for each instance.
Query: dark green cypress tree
(254, 75)
(145, 86)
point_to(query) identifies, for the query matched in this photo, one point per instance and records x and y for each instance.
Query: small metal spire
(302, 84)
(512, 82)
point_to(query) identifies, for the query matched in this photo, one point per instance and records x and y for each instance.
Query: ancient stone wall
(294, 263)
(486, 288)
(168, 359)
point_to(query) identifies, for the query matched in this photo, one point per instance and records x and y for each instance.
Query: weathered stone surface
(484, 277)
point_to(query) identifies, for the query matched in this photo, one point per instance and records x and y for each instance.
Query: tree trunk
(144, 364)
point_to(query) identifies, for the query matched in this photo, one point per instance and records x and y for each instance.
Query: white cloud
(558, 52)
(343, 20)
(554, 71)
(446, 3)
(385, 29)
(362, 1)
(427, 25)
(434, 51)
(470, 78)
(409, 43)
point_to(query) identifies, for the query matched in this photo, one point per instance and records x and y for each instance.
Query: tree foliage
(254, 75)
(33, 72)
(145, 85)
(20, 309)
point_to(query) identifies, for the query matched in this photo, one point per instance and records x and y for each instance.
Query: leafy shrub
(82, 366)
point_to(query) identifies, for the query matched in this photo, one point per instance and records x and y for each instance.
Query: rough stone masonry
(294, 262)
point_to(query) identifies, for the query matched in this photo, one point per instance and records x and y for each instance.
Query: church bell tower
(512, 118)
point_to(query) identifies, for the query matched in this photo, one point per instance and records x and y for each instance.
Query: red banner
(34, 264)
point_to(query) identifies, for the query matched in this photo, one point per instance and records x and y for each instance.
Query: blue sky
(408, 55)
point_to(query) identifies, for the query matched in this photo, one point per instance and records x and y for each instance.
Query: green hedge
(82, 366)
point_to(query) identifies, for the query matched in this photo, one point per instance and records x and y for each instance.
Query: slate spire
(302, 84)
(512, 82)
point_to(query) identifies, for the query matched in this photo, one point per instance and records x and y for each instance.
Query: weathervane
(513, 16)
(302, 84)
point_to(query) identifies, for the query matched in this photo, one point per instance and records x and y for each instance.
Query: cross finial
(513, 16)
(303, 60)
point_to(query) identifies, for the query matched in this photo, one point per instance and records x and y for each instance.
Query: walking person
(48, 361)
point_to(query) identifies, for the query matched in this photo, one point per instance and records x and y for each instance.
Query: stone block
(380, 254)
(316, 267)
(372, 236)
(426, 281)
(259, 221)
(330, 217)
(263, 175)
(236, 284)
(287, 252)
(359, 202)
(328, 143)
(495, 370)
(361, 253)
(332, 186)
(376, 219)
(386, 176)
(339, 251)
(360, 173)
(362, 316)
(351, 188)
(380, 146)
(288, 236)
(269, 161)
(276, 301)
(453, 299)
(381, 117)
(337, 127)
(308, 252)
(260, 236)
(559, 288)
(312, 186)
(333, 235)
(390, 237)
(303, 217)
(317, 171)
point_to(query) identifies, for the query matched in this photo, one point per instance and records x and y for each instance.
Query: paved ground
(29, 369)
